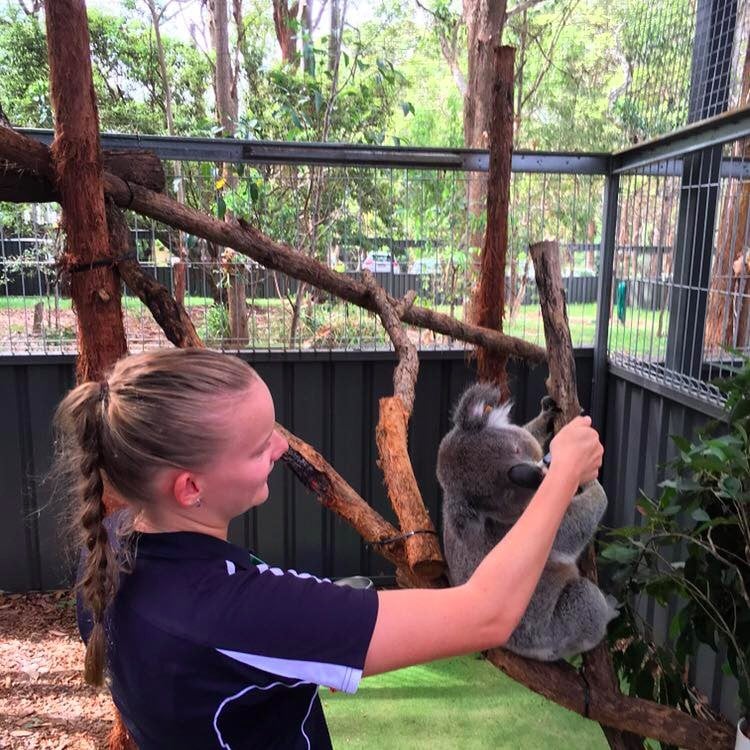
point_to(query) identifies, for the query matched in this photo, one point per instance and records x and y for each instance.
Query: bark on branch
(168, 313)
(75, 168)
(423, 553)
(489, 302)
(139, 166)
(560, 683)
(337, 495)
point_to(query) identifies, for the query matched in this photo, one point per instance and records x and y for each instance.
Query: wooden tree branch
(274, 255)
(423, 553)
(168, 313)
(559, 682)
(598, 668)
(337, 495)
(489, 302)
(562, 369)
(140, 166)
(307, 464)
(405, 374)
(76, 171)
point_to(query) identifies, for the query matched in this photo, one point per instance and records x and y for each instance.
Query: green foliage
(129, 89)
(692, 550)
(216, 323)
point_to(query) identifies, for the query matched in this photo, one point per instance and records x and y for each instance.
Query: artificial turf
(456, 703)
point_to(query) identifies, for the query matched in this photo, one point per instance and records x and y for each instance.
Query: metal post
(604, 301)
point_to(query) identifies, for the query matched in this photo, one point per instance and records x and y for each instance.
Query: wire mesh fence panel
(680, 281)
(411, 227)
(682, 62)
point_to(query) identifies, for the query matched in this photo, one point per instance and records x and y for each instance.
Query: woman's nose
(283, 445)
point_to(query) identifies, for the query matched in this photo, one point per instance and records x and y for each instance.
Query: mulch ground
(44, 702)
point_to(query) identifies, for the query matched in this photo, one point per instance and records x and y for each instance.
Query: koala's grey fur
(567, 614)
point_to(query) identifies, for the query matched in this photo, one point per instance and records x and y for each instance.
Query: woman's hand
(577, 448)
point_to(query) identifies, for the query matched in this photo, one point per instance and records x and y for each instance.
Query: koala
(489, 470)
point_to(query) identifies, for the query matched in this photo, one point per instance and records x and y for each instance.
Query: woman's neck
(148, 523)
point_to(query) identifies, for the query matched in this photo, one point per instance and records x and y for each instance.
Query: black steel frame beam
(712, 132)
(340, 155)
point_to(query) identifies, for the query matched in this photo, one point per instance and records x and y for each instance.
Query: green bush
(693, 548)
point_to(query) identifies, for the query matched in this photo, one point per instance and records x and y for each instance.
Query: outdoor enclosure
(655, 249)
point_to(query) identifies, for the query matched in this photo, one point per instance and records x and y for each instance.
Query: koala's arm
(542, 426)
(579, 523)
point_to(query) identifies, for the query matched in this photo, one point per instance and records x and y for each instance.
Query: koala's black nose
(525, 475)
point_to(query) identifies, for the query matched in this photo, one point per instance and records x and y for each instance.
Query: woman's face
(238, 478)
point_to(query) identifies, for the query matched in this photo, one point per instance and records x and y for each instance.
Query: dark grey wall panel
(639, 423)
(328, 399)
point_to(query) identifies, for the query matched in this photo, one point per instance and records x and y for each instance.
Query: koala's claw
(549, 404)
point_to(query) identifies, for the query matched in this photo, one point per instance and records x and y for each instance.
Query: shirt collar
(188, 545)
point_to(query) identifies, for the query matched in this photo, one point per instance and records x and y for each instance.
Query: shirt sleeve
(289, 624)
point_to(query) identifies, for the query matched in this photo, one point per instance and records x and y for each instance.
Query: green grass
(456, 703)
(639, 336)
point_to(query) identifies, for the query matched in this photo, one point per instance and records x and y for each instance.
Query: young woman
(204, 645)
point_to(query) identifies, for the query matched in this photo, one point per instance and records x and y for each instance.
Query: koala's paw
(613, 605)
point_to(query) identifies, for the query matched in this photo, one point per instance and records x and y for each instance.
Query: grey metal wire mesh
(411, 227)
(682, 62)
(681, 292)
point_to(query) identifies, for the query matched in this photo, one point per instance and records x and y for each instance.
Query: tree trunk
(334, 38)
(484, 24)
(77, 168)
(284, 17)
(728, 302)
(179, 270)
(489, 302)
(226, 113)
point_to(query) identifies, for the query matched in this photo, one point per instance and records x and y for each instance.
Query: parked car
(381, 262)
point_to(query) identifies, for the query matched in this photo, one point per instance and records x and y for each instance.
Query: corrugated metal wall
(329, 400)
(640, 421)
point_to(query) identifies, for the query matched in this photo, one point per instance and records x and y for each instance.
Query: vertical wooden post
(77, 166)
(489, 302)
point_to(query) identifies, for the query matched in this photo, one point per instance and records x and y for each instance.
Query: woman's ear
(185, 489)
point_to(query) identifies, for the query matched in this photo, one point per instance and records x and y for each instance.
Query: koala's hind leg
(534, 635)
(579, 621)
(542, 426)
(579, 523)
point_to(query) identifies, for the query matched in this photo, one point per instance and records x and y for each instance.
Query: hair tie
(104, 392)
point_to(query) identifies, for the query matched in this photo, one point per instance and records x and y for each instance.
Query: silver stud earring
(197, 503)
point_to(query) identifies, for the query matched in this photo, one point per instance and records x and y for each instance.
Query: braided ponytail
(80, 420)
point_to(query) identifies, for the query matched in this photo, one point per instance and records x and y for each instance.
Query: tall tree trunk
(729, 302)
(484, 24)
(489, 303)
(77, 167)
(308, 55)
(179, 270)
(334, 38)
(226, 113)
(284, 17)
(311, 214)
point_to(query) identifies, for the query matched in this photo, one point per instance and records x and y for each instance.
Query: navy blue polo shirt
(209, 648)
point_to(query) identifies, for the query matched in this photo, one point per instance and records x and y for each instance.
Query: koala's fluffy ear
(469, 413)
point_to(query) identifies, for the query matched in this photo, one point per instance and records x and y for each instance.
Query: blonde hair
(149, 413)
